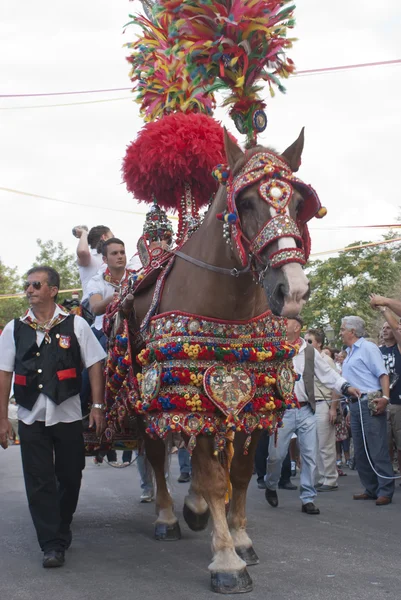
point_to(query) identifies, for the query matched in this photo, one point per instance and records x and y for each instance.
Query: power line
(303, 72)
(65, 104)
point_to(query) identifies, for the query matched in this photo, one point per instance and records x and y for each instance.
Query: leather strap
(309, 375)
(223, 271)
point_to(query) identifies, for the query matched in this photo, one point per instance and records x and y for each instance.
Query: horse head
(267, 208)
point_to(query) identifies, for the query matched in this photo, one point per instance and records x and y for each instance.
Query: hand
(6, 432)
(381, 405)
(352, 391)
(376, 300)
(332, 415)
(79, 230)
(348, 420)
(96, 419)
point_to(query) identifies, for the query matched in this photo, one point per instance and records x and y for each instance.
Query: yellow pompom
(322, 212)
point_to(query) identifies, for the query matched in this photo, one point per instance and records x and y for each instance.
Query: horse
(209, 278)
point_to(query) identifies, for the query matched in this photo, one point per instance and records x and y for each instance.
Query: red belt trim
(20, 379)
(67, 374)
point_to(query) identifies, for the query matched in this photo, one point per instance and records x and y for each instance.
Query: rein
(222, 270)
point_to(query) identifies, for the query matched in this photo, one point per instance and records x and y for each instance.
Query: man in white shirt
(307, 364)
(89, 256)
(327, 404)
(45, 349)
(105, 286)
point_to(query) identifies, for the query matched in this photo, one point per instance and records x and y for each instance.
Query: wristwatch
(99, 406)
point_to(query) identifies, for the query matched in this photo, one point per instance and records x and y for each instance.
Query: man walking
(364, 367)
(326, 414)
(308, 364)
(45, 349)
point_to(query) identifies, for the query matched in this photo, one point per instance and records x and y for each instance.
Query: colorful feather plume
(161, 79)
(234, 45)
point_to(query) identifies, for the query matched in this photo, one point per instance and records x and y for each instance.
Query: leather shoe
(53, 558)
(261, 485)
(310, 509)
(287, 486)
(383, 500)
(184, 478)
(363, 497)
(271, 497)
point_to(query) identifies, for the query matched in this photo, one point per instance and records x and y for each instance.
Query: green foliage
(10, 284)
(56, 255)
(341, 285)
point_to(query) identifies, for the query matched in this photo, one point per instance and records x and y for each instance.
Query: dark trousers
(262, 452)
(52, 460)
(375, 428)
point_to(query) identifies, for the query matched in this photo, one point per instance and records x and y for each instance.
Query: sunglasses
(35, 284)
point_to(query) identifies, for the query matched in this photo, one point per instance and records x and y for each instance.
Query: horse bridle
(276, 189)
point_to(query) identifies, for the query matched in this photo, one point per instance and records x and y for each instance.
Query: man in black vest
(45, 349)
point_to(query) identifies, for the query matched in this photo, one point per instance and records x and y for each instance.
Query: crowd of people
(354, 392)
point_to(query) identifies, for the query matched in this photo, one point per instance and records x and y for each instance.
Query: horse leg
(167, 527)
(240, 475)
(228, 570)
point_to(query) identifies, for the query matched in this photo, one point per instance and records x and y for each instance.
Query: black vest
(52, 369)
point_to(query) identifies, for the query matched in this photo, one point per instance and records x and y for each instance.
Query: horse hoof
(238, 582)
(167, 533)
(195, 521)
(248, 555)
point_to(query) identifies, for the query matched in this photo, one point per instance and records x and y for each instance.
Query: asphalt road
(351, 551)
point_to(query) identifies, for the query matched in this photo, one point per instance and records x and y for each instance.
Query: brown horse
(199, 290)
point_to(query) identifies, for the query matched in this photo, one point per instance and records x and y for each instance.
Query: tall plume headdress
(234, 45)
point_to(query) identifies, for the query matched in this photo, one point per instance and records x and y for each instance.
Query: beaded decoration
(201, 375)
(276, 188)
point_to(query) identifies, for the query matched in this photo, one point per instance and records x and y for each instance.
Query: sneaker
(261, 485)
(115, 463)
(126, 464)
(339, 463)
(348, 464)
(327, 488)
(184, 478)
(146, 496)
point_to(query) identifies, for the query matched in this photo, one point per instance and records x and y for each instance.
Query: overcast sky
(74, 153)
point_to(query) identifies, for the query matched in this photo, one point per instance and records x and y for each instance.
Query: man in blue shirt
(364, 368)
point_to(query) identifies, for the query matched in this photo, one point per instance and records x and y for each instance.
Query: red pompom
(177, 149)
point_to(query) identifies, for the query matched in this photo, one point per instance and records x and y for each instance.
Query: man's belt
(367, 396)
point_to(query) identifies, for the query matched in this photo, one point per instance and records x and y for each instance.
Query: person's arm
(393, 322)
(98, 305)
(335, 402)
(394, 305)
(328, 376)
(381, 403)
(83, 250)
(96, 416)
(5, 425)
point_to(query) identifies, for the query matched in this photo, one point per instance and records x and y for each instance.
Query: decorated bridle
(276, 188)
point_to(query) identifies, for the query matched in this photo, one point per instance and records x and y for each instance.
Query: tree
(10, 284)
(341, 286)
(57, 256)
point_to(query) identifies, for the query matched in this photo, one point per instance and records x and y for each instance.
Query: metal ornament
(285, 381)
(150, 382)
(259, 120)
(230, 388)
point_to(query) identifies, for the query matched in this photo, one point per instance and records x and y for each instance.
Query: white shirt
(323, 372)
(45, 409)
(98, 285)
(96, 264)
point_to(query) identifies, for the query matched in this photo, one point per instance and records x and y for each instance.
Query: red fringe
(177, 149)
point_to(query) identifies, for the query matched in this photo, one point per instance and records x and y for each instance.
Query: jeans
(262, 452)
(145, 473)
(376, 442)
(184, 460)
(302, 422)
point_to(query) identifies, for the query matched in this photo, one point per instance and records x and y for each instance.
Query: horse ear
(293, 153)
(233, 152)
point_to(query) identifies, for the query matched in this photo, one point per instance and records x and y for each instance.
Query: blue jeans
(301, 421)
(145, 473)
(184, 460)
(376, 442)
